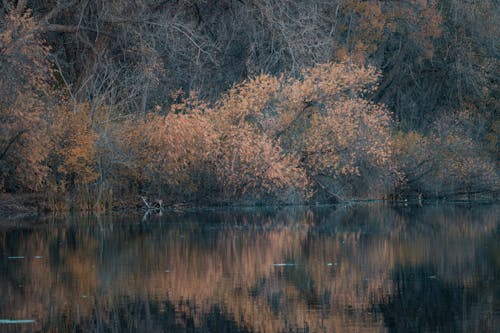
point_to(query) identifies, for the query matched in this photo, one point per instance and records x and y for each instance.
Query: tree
(25, 93)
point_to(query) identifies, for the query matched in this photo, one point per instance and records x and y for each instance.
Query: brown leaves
(267, 136)
(351, 134)
(204, 154)
(24, 86)
(24, 53)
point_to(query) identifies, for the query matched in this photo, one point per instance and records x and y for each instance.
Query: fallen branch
(327, 191)
(149, 207)
(156, 206)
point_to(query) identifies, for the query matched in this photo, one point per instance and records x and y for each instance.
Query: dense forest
(248, 101)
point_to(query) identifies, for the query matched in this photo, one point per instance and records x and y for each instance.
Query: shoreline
(15, 208)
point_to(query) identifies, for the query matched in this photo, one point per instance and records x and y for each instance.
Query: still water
(366, 268)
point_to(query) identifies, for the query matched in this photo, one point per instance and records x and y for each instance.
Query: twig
(146, 203)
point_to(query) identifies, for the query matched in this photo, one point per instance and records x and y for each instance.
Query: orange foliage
(448, 161)
(251, 162)
(320, 118)
(350, 135)
(462, 165)
(73, 140)
(372, 22)
(266, 136)
(202, 153)
(24, 83)
(269, 137)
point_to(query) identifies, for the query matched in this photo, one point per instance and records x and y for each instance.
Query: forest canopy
(248, 101)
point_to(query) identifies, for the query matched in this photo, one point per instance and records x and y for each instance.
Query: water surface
(367, 268)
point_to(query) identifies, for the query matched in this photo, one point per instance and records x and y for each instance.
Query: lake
(360, 268)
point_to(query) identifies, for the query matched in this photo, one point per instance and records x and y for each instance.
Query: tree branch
(330, 193)
(11, 142)
(21, 4)
(56, 10)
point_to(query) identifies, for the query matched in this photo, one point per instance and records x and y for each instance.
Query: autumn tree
(345, 98)
(25, 94)
(198, 154)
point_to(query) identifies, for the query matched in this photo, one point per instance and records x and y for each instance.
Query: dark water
(356, 269)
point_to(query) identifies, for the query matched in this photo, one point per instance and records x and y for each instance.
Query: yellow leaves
(190, 105)
(342, 54)
(267, 136)
(319, 117)
(168, 149)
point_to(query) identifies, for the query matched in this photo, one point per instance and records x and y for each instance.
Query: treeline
(248, 101)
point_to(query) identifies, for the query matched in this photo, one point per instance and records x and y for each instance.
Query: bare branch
(10, 143)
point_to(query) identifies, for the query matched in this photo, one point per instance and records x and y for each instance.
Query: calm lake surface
(366, 268)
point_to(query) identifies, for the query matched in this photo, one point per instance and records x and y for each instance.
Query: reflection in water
(364, 269)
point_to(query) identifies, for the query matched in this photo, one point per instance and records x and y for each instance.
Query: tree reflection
(364, 268)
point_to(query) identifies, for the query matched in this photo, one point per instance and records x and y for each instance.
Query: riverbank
(18, 207)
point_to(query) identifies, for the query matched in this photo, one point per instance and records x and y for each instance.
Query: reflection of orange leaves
(234, 267)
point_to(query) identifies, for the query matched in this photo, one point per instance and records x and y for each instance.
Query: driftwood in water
(156, 205)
